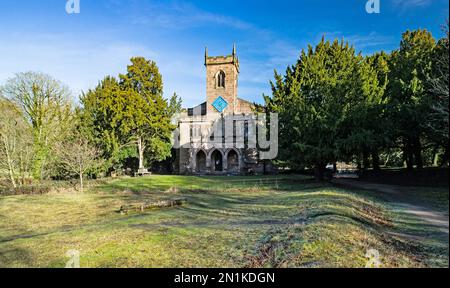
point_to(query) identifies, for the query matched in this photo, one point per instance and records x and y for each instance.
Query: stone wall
(244, 107)
(230, 66)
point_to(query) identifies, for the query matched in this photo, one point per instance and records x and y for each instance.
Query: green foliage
(131, 112)
(361, 132)
(101, 118)
(408, 98)
(323, 102)
(335, 105)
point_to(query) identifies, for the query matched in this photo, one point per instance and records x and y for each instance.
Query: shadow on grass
(11, 255)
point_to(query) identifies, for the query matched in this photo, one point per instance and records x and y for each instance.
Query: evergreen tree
(408, 97)
(362, 133)
(312, 100)
(101, 118)
(147, 119)
(129, 117)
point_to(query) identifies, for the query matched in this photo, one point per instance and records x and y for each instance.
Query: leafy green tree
(129, 117)
(147, 115)
(409, 101)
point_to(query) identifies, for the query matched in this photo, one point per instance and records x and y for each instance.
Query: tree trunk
(141, 148)
(319, 170)
(366, 162)
(22, 171)
(375, 160)
(11, 172)
(408, 155)
(445, 157)
(10, 164)
(81, 181)
(38, 161)
(434, 159)
(418, 154)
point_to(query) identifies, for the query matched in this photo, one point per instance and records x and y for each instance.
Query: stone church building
(219, 134)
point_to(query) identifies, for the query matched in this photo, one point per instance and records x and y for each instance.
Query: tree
(45, 104)
(129, 117)
(15, 143)
(362, 132)
(175, 105)
(438, 83)
(312, 100)
(76, 155)
(147, 115)
(408, 97)
(101, 116)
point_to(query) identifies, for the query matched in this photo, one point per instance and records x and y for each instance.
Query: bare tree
(78, 156)
(15, 143)
(46, 106)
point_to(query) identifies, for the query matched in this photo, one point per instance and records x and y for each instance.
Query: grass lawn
(284, 221)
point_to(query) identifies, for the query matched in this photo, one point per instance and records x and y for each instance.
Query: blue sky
(80, 49)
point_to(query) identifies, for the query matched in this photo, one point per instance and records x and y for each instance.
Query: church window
(221, 79)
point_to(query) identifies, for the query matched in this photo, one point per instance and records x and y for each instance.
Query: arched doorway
(200, 162)
(217, 161)
(233, 162)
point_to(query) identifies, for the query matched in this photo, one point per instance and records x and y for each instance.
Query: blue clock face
(220, 104)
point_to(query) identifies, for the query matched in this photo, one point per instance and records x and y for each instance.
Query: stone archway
(233, 166)
(217, 161)
(200, 161)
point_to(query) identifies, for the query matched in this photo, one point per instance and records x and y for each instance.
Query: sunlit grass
(286, 221)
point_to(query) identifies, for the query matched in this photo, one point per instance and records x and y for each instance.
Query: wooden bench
(142, 172)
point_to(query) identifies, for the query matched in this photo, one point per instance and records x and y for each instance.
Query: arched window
(221, 79)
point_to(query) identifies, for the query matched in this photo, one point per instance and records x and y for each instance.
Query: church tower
(222, 83)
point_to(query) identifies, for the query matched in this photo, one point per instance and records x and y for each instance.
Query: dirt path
(403, 201)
